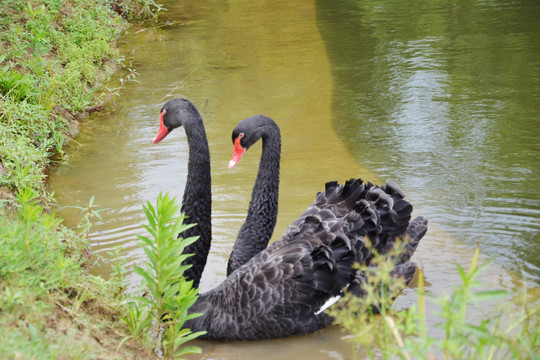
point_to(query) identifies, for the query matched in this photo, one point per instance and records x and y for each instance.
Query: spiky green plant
(167, 294)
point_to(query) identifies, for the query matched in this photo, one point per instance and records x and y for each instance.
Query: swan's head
(174, 114)
(247, 133)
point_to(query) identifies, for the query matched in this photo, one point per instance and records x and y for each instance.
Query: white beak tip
(231, 164)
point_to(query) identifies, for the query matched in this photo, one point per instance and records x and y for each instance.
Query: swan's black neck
(197, 200)
(258, 228)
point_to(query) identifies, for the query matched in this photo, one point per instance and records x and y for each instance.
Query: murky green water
(441, 96)
(444, 96)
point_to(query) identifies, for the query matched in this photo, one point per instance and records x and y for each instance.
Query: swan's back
(281, 291)
(384, 211)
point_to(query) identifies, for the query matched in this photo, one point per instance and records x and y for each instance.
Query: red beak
(163, 131)
(238, 152)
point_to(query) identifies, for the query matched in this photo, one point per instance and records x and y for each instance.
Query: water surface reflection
(438, 95)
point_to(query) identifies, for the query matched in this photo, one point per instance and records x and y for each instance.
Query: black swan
(256, 232)
(283, 289)
(197, 199)
(197, 202)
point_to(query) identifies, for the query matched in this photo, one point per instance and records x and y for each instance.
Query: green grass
(49, 304)
(56, 57)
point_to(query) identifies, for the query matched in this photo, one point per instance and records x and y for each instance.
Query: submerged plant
(163, 309)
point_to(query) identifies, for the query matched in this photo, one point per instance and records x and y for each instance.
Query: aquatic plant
(511, 332)
(88, 212)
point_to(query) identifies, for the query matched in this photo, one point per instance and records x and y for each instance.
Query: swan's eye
(239, 138)
(236, 140)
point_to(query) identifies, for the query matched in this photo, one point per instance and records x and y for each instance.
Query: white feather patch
(328, 303)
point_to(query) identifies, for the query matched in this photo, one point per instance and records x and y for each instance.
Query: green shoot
(167, 294)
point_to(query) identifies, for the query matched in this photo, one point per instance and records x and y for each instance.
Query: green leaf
(187, 350)
(184, 336)
(152, 257)
(170, 293)
(146, 241)
(491, 295)
(149, 279)
(192, 316)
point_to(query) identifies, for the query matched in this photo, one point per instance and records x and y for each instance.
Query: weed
(55, 54)
(138, 320)
(141, 9)
(167, 294)
(88, 212)
(14, 84)
(405, 333)
(11, 298)
(379, 291)
(118, 274)
(30, 211)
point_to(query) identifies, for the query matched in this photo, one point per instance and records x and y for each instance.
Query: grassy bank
(50, 307)
(56, 55)
(55, 58)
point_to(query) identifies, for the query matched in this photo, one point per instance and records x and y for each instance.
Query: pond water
(441, 96)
